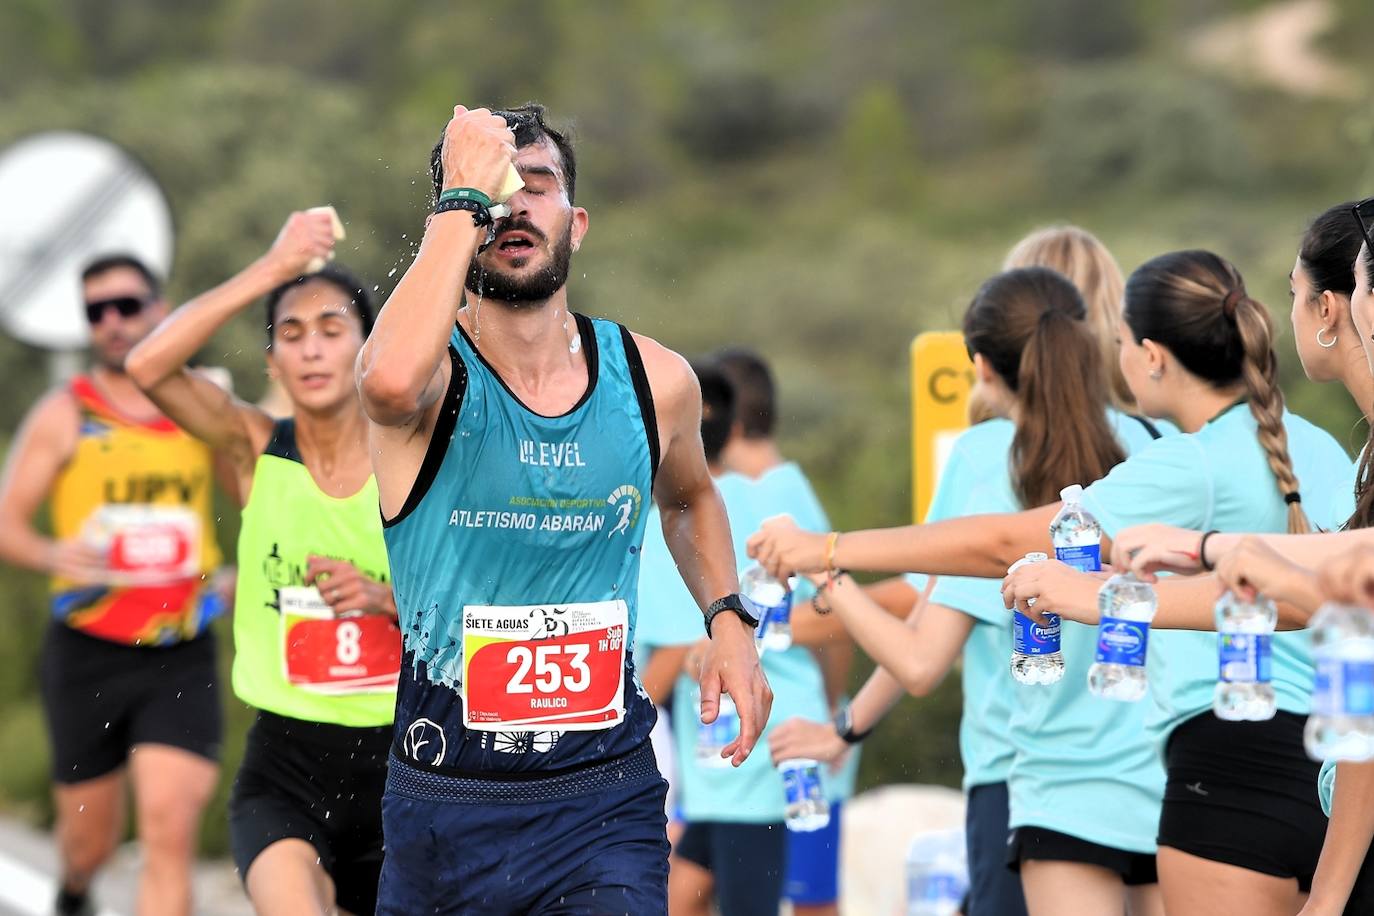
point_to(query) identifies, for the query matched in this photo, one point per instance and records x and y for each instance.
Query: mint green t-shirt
(753, 793)
(668, 614)
(974, 480)
(1066, 755)
(1219, 478)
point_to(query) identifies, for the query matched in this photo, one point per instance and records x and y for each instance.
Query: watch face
(750, 608)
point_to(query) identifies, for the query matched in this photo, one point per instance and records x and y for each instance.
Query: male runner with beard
(515, 444)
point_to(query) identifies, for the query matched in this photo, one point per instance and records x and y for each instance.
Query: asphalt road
(28, 868)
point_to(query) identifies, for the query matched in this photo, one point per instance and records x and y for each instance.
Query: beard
(524, 291)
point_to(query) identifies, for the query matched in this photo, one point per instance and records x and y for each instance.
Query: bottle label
(1343, 688)
(1083, 559)
(1031, 638)
(776, 614)
(1244, 658)
(939, 887)
(802, 783)
(1122, 642)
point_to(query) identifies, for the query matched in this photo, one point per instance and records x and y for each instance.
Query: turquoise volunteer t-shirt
(1073, 755)
(753, 793)
(668, 614)
(1219, 478)
(974, 480)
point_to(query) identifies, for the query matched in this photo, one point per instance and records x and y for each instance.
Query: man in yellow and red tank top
(128, 664)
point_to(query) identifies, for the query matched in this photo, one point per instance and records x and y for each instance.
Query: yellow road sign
(941, 379)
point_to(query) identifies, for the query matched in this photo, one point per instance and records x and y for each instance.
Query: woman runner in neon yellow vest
(317, 647)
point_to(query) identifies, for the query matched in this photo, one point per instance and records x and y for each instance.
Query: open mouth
(515, 242)
(315, 379)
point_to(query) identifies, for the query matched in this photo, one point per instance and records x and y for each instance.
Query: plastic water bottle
(775, 608)
(806, 807)
(1076, 534)
(1035, 655)
(1341, 726)
(1125, 605)
(713, 738)
(936, 873)
(1244, 628)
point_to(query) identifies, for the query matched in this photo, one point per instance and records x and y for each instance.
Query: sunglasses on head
(1364, 213)
(127, 306)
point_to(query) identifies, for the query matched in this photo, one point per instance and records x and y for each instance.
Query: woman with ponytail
(1332, 303)
(1077, 254)
(1241, 835)
(1038, 362)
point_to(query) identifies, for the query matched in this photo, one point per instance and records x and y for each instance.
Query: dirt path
(1277, 46)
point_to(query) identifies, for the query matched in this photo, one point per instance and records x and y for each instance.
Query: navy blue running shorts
(813, 863)
(588, 841)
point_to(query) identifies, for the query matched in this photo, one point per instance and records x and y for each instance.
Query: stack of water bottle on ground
(1341, 726)
(936, 873)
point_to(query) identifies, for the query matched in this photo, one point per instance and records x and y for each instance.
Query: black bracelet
(1202, 551)
(481, 216)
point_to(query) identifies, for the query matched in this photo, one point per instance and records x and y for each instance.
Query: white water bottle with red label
(1126, 606)
(1244, 692)
(1341, 726)
(1035, 655)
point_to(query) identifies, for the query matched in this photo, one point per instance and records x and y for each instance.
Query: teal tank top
(525, 521)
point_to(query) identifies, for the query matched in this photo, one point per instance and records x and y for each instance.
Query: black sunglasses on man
(127, 306)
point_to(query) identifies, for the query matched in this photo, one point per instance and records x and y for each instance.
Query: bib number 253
(555, 669)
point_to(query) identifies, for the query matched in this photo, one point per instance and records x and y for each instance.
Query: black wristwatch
(738, 605)
(844, 727)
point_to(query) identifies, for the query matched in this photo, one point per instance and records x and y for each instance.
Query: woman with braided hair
(1240, 828)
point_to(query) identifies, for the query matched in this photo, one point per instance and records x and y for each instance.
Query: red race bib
(147, 545)
(544, 666)
(360, 653)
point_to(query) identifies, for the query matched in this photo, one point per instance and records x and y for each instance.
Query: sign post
(941, 381)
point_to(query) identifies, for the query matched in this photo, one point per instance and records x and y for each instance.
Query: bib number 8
(348, 650)
(549, 676)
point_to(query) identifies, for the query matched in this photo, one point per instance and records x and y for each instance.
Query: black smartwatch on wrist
(738, 605)
(844, 727)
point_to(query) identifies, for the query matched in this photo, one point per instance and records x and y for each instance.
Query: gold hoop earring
(1323, 344)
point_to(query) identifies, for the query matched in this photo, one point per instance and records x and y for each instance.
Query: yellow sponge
(512, 184)
(318, 263)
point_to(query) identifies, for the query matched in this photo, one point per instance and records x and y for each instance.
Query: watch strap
(738, 605)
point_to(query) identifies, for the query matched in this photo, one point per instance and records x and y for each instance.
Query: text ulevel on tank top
(551, 454)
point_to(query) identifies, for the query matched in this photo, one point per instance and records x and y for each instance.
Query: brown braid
(1260, 370)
